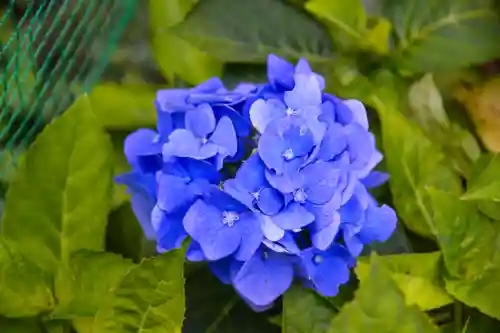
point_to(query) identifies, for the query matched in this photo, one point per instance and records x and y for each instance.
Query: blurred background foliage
(429, 70)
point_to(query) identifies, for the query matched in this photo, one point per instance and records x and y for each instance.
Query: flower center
(229, 218)
(300, 196)
(317, 259)
(288, 154)
(203, 140)
(291, 112)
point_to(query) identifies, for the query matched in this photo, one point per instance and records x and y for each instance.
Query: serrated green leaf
(25, 289)
(124, 106)
(484, 180)
(380, 307)
(304, 311)
(412, 160)
(469, 243)
(247, 31)
(59, 202)
(150, 298)
(174, 55)
(83, 286)
(418, 277)
(429, 31)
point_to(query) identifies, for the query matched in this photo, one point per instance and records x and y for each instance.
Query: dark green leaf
(124, 235)
(484, 180)
(25, 290)
(429, 31)
(213, 307)
(469, 242)
(247, 31)
(58, 203)
(149, 298)
(380, 307)
(416, 275)
(121, 166)
(304, 311)
(480, 323)
(174, 55)
(25, 325)
(83, 286)
(124, 106)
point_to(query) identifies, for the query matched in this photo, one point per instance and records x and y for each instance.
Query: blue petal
(234, 188)
(264, 278)
(245, 88)
(270, 149)
(197, 169)
(303, 67)
(375, 179)
(205, 225)
(221, 269)
(172, 100)
(284, 245)
(334, 142)
(251, 236)
(225, 137)
(358, 111)
(211, 85)
(173, 192)
(306, 92)
(270, 201)
(375, 159)
(264, 112)
(361, 145)
(141, 142)
(296, 136)
(200, 121)
(352, 212)
(241, 125)
(251, 174)
(279, 72)
(325, 215)
(171, 232)
(379, 224)
(182, 143)
(142, 207)
(270, 230)
(322, 239)
(353, 244)
(164, 125)
(330, 272)
(194, 252)
(223, 201)
(294, 216)
(290, 180)
(321, 182)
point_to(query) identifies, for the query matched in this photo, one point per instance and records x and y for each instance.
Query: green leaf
(412, 160)
(58, 203)
(25, 325)
(416, 275)
(149, 298)
(83, 324)
(468, 241)
(213, 307)
(124, 235)
(380, 307)
(247, 31)
(429, 31)
(348, 18)
(25, 289)
(124, 106)
(83, 286)
(480, 323)
(304, 311)
(483, 182)
(426, 103)
(174, 55)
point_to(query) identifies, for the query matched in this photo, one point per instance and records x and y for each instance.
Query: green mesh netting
(51, 51)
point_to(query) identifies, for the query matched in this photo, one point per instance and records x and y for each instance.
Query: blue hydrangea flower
(296, 208)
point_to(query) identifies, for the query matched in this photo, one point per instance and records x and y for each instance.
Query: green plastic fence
(51, 51)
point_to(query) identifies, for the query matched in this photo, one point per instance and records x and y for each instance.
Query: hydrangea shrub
(269, 182)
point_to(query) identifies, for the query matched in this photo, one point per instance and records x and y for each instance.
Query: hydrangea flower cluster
(292, 202)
